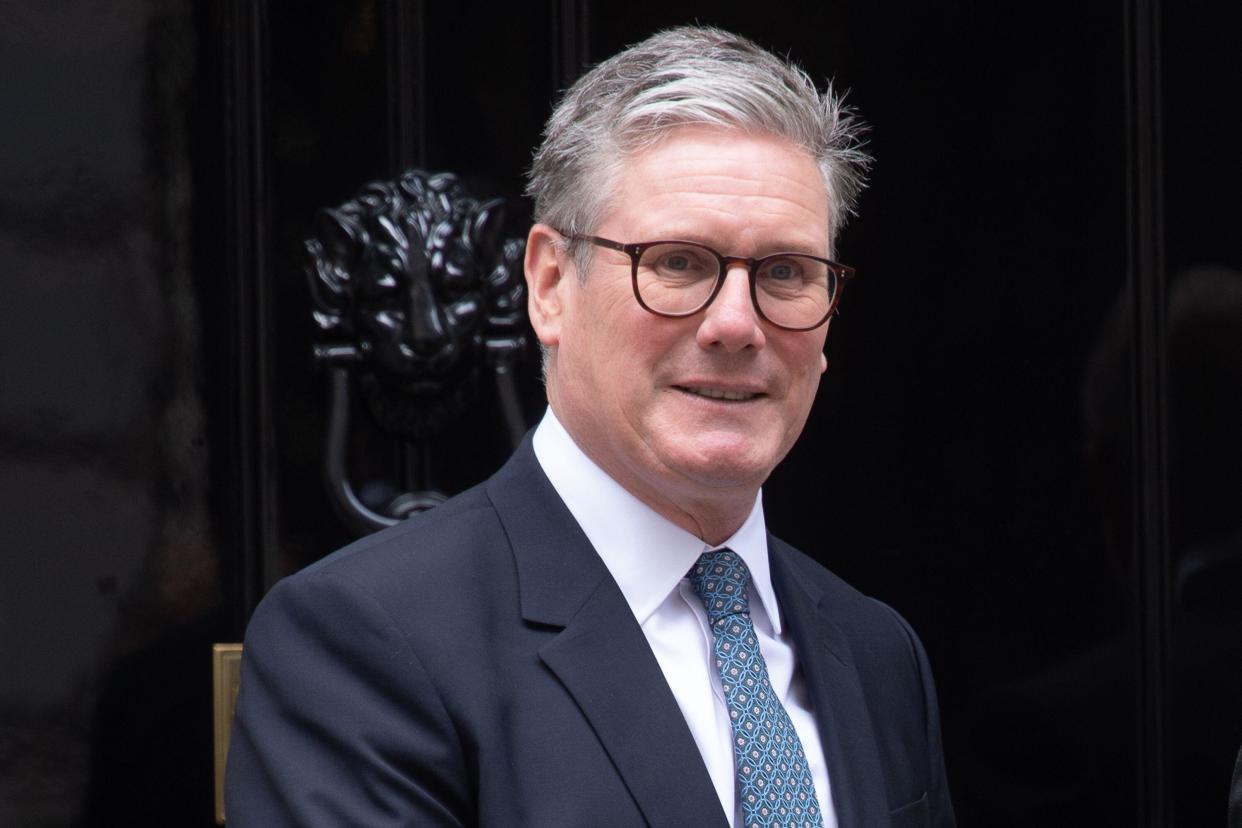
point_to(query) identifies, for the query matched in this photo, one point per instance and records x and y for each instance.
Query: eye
(679, 262)
(455, 282)
(682, 259)
(462, 313)
(782, 270)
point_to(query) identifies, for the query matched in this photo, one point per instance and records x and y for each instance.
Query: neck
(713, 526)
(711, 511)
(713, 522)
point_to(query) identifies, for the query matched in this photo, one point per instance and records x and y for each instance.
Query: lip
(724, 392)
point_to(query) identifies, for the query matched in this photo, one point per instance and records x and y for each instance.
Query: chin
(724, 464)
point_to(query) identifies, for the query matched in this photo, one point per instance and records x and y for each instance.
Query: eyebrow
(765, 249)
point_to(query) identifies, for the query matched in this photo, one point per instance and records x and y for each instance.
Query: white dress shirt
(649, 557)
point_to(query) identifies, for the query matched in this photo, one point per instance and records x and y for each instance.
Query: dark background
(1028, 440)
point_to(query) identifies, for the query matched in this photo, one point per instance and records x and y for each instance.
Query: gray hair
(691, 75)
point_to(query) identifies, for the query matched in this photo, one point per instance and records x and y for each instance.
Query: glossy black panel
(1203, 213)
(109, 589)
(329, 134)
(335, 98)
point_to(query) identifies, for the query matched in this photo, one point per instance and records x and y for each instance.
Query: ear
(549, 271)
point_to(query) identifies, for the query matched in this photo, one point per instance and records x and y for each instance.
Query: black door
(1028, 439)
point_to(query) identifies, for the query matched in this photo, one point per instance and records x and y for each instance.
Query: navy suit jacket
(478, 665)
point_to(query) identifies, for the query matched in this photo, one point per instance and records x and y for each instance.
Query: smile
(719, 394)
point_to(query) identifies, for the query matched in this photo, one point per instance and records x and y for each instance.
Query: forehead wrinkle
(754, 206)
(774, 188)
(742, 193)
(793, 225)
(762, 194)
(748, 218)
(757, 183)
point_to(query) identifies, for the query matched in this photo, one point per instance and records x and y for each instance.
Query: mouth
(720, 394)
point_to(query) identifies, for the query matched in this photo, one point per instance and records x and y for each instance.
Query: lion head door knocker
(419, 302)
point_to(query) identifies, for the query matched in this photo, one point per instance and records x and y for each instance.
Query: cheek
(631, 341)
(809, 374)
(601, 353)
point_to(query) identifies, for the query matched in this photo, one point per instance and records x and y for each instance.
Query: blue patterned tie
(773, 777)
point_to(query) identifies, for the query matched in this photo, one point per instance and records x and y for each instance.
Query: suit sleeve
(337, 722)
(939, 804)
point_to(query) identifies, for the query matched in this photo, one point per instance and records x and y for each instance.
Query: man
(604, 633)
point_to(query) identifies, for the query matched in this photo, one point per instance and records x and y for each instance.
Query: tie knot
(720, 579)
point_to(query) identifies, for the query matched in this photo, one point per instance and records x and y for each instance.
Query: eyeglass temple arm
(609, 243)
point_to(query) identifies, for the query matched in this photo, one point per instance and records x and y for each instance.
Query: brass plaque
(225, 677)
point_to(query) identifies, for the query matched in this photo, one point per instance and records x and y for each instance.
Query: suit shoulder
(870, 623)
(808, 570)
(449, 544)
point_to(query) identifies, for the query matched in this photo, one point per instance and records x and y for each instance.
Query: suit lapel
(854, 769)
(601, 656)
(609, 669)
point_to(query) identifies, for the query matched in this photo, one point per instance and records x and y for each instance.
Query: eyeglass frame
(635, 251)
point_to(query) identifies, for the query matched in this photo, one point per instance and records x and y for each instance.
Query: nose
(730, 321)
(426, 321)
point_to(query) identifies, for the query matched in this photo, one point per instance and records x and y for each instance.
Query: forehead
(724, 186)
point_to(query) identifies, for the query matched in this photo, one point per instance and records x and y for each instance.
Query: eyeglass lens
(679, 277)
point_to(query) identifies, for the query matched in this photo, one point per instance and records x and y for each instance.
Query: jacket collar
(855, 773)
(600, 654)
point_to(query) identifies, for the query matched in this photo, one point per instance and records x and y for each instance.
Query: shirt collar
(646, 553)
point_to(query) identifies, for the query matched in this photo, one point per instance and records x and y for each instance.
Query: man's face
(642, 394)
